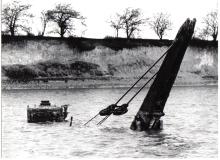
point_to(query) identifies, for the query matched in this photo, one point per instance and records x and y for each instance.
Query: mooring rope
(131, 97)
(106, 117)
(131, 89)
(140, 78)
(141, 88)
(91, 119)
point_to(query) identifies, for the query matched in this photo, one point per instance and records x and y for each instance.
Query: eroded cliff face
(199, 63)
(27, 52)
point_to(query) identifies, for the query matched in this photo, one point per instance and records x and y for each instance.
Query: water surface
(190, 125)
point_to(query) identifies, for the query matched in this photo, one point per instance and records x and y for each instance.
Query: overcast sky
(98, 12)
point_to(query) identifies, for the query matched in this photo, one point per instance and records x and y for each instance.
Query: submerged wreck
(46, 112)
(151, 110)
(148, 116)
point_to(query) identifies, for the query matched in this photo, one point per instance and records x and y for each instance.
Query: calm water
(190, 125)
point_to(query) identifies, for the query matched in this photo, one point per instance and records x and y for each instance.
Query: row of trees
(211, 26)
(15, 17)
(131, 20)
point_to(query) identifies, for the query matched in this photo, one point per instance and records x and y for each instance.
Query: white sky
(98, 12)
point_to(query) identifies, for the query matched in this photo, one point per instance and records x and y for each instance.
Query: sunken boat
(151, 110)
(45, 112)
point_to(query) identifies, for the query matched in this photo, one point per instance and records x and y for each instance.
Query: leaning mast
(148, 116)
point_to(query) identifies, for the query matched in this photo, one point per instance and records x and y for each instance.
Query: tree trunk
(62, 32)
(44, 28)
(127, 35)
(130, 34)
(116, 33)
(12, 31)
(214, 37)
(148, 116)
(127, 32)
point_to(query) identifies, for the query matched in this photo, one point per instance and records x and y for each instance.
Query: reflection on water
(190, 125)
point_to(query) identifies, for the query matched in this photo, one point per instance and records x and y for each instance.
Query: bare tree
(131, 20)
(44, 20)
(116, 23)
(15, 16)
(160, 23)
(211, 25)
(63, 16)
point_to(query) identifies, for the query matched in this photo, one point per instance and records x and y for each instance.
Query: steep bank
(120, 59)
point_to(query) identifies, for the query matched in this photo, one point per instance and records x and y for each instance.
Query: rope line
(141, 88)
(91, 119)
(132, 88)
(106, 117)
(140, 78)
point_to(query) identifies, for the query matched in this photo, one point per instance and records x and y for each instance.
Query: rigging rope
(130, 89)
(140, 78)
(131, 98)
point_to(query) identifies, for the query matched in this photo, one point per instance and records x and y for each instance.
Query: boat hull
(57, 114)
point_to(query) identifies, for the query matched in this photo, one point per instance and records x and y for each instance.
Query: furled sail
(148, 116)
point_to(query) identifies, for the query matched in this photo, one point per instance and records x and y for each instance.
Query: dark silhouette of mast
(148, 116)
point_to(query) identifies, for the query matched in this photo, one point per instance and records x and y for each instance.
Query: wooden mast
(148, 116)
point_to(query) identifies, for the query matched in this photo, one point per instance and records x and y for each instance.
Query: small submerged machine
(46, 112)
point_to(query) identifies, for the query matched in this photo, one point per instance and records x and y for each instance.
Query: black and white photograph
(109, 79)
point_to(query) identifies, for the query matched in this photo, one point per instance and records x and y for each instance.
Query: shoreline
(93, 84)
